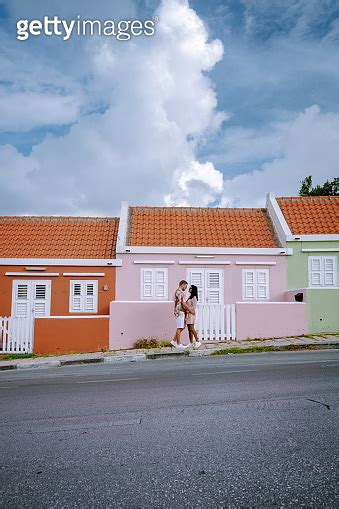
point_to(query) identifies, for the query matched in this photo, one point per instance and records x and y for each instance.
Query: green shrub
(146, 343)
(164, 343)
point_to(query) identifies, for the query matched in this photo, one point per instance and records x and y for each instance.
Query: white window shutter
(329, 267)
(147, 283)
(315, 271)
(84, 296)
(214, 287)
(22, 298)
(76, 296)
(154, 283)
(249, 284)
(40, 299)
(197, 277)
(90, 297)
(160, 283)
(262, 284)
(31, 298)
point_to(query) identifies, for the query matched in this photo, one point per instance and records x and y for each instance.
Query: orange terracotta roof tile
(199, 227)
(310, 215)
(58, 237)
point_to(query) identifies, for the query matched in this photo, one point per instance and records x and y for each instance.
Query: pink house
(232, 255)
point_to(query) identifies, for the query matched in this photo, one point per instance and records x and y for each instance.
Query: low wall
(271, 319)
(130, 321)
(58, 335)
(323, 310)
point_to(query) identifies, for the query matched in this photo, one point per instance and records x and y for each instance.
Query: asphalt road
(236, 431)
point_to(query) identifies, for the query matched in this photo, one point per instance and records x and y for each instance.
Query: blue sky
(229, 100)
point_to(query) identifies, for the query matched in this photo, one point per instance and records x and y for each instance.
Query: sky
(229, 100)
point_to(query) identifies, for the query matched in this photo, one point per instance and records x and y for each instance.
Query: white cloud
(25, 111)
(198, 185)
(161, 105)
(310, 147)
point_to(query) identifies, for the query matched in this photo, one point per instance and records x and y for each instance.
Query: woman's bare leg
(192, 333)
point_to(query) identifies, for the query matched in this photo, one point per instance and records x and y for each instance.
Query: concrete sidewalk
(118, 356)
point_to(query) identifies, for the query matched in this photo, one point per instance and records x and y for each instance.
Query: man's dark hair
(183, 282)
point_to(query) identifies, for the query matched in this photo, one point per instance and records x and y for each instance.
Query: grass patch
(147, 343)
(10, 356)
(259, 349)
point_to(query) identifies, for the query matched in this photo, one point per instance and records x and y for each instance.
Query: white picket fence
(16, 334)
(216, 322)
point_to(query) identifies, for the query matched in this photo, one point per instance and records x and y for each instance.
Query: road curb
(165, 355)
(40, 365)
(203, 353)
(118, 359)
(138, 357)
(81, 361)
(7, 367)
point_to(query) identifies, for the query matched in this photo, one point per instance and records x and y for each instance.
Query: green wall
(322, 304)
(323, 310)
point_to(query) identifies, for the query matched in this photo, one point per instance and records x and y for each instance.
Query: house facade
(77, 284)
(309, 228)
(59, 272)
(234, 258)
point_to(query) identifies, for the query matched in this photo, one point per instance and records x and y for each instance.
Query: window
(84, 297)
(154, 284)
(31, 298)
(322, 271)
(255, 283)
(210, 284)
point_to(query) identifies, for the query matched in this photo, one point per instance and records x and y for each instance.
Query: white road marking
(225, 372)
(9, 387)
(108, 380)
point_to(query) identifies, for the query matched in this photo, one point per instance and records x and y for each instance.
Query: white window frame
(255, 272)
(31, 284)
(322, 271)
(204, 291)
(153, 283)
(83, 283)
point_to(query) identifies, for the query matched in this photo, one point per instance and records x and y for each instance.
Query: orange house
(57, 279)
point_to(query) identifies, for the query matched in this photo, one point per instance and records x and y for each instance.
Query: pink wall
(131, 321)
(258, 320)
(132, 318)
(128, 276)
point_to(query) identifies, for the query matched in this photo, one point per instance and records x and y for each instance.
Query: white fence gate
(16, 334)
(216, 322)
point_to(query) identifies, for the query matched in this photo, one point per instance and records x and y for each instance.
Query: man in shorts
(180, 307)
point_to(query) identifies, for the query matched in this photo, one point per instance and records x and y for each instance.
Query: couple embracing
(184, 312)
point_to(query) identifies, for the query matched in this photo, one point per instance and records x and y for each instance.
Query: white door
(210, 284)
(31, 298)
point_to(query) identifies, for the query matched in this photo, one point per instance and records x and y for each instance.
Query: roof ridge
(317, 197)
(59, 218)
(199, 209)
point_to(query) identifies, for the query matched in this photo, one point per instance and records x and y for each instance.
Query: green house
(309, 228)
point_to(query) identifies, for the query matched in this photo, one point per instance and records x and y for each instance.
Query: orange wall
(60, 288)
(66, 335)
